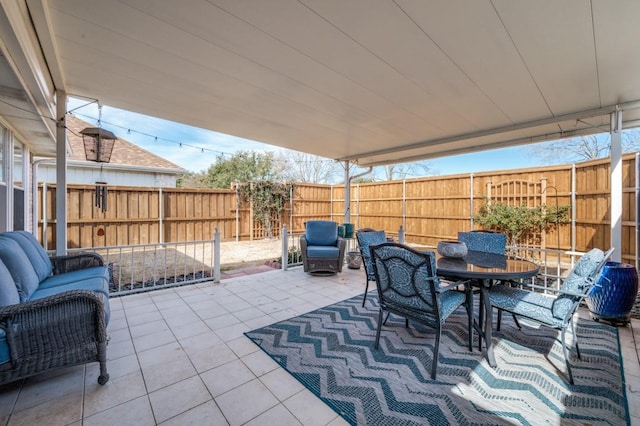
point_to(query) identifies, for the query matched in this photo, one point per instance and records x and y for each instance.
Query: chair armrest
(451, 285)
(50, 331)
(75, 262)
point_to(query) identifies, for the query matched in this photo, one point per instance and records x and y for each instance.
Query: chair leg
(469, 297)
(102, 359)
(379, 327)
(386, 318)
(515, 319)
(366, 290)
(406, 323)
(575, 338)
(566, 355)
(499, 320)
(436, 350)
(480, 321)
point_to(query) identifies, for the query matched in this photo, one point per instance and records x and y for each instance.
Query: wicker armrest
(62, 264)
(57, 331)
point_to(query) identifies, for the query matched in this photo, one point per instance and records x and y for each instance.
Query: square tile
(282, 384)
(135, 412)
(178, 398)
(117, 391)
(309, 409)
(204, 414)
(227, 376)
(235, 407)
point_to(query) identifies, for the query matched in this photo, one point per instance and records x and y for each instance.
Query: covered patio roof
(372, 82)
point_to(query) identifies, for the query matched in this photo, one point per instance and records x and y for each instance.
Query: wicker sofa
(53, 311)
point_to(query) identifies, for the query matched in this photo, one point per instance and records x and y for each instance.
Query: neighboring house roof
(124, 152)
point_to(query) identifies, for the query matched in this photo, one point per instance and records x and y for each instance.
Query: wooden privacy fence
(430, 209)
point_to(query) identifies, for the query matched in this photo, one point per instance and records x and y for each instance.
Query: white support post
(61, 173)
(216, 255)
(285, 248)
(616, 185)
(347, 193)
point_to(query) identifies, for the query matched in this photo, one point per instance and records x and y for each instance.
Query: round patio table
(481, 269)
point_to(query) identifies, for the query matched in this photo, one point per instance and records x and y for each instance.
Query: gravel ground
(248, 253)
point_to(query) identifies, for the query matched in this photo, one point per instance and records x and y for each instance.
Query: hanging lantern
(98, 144)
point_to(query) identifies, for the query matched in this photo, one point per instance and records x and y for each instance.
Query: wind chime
(98, 146)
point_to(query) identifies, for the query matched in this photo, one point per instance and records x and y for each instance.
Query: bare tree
(302, 167)
(584, 148)
(401, 171)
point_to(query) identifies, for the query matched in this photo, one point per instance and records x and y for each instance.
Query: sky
(196, 149)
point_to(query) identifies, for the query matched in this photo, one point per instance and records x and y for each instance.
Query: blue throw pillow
(20, 267)
(38, 256)
(8, 291)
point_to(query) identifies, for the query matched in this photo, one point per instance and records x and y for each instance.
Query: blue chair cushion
(580, 277)
(527, 303)
(488, 242)
(19, 266)
(321, 233)
(34, 251)
(366, 240)
(326, 252)
(8, 291)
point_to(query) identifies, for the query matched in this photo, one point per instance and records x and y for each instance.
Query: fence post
(471, 201)
(401, 235)
(216, 255)
(285, 248)
(160, 217)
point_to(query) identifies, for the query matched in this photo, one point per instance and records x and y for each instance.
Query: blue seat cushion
(527, 303)
(8, 291)
(75, 276)
(97, 284)
(20, 267)
(34, 251)
(326, 252)
(366, 240)
(321, 233)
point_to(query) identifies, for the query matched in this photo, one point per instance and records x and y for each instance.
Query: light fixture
(98, 144)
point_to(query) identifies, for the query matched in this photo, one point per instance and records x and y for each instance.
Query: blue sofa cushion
(34, 251)
(321, 233)
(8, 291)
(327, 252)
(75, 276)
(97, 284)
(19, 266)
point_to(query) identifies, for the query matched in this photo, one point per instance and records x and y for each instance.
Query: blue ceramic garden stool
(613, 297)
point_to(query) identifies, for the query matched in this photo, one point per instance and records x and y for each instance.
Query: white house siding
(89, 176)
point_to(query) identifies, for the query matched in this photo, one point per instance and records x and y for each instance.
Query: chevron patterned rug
(331, 352)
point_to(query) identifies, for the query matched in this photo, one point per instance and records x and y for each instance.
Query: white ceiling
(369, 80)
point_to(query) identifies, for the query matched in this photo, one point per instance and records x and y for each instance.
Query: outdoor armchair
(321, 248)
(555, 311)
(409, 287)
(367, 239)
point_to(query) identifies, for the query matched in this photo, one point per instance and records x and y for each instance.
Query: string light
(198, 147)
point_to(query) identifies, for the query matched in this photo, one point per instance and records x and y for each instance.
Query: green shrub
(520, 221)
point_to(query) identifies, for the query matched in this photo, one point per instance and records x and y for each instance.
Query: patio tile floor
(178, 356)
